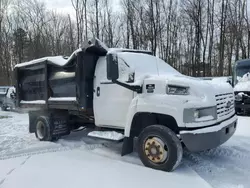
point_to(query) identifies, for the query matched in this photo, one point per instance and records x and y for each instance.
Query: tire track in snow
(12, 170)
(16, 141)
(2, 181)
(225, 165)
(60, 148)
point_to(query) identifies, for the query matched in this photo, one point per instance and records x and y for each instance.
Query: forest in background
(197, 37)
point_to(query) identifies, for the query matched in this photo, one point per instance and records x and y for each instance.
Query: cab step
(107, 135)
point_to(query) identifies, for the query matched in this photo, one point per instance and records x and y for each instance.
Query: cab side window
(124, 70)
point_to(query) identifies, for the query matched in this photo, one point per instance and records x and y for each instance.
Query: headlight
(238, 97)
(196, 114)
(192, 115)
(177, 90)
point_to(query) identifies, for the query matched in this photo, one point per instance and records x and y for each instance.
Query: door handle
(98, 91)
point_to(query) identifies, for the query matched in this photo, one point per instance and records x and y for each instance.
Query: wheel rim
(40, 130)
(155, 150)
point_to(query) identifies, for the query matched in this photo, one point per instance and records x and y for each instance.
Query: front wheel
(159, 148)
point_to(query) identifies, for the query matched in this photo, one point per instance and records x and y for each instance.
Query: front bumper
(211, 137)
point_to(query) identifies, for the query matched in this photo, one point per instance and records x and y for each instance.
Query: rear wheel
(159, 148)
(43, 132)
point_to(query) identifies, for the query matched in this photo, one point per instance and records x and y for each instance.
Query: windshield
(144, 64)
(240, 72)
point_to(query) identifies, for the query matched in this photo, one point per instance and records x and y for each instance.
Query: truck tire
(43, 129)
(159, 148)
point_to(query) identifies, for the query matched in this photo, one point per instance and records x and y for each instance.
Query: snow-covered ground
(81, 161)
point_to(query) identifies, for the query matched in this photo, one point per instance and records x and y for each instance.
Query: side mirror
(131, 77)
(112, 67)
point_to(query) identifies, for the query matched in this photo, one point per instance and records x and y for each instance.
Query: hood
(198, 87)
(243, 83)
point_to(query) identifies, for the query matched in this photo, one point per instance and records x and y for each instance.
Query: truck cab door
(111, 101)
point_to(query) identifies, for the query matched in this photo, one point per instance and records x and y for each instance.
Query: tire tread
(174, 143)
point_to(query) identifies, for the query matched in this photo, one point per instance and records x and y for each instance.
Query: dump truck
(8, 100)
(3, 92)
(241, 83)
(126, 95)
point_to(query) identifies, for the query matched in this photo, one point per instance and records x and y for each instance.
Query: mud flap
(128, 146)
(60, 126)
(32, 121)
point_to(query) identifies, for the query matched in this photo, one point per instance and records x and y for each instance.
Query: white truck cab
(198, 113)
(153, 106)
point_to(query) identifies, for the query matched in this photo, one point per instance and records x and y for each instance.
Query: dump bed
(57, 82)
(46, 82)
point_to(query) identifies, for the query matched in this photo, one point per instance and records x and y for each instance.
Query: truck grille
(225, 104)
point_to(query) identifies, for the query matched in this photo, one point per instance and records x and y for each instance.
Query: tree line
(197, 37)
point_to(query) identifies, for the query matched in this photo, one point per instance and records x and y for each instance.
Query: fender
(132, 110)
(139, 104)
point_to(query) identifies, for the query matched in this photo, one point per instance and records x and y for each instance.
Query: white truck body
(198, 113)
(124, 104)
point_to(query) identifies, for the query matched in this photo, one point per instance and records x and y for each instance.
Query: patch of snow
(243, 128)
(72, 56)
(62, 99)
(100, 43)
(33, 102)
(91, 170)
(222, 167)
(242, 86)
(198, 87)
(212, 129)
(220, 79)
(243, 83)
(111, 135)
(117, 50)
(245, 78)
(58, 60)
(144, 64)
(8, 166)
(205, 118)
(241, 94)
(124, 70)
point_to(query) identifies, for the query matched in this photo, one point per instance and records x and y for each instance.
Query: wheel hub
(155, 150)
(40, 130)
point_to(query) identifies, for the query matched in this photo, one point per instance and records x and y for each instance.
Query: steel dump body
(40, 82)
(59, 83)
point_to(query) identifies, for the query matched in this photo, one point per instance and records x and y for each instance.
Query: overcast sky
(65, 6)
